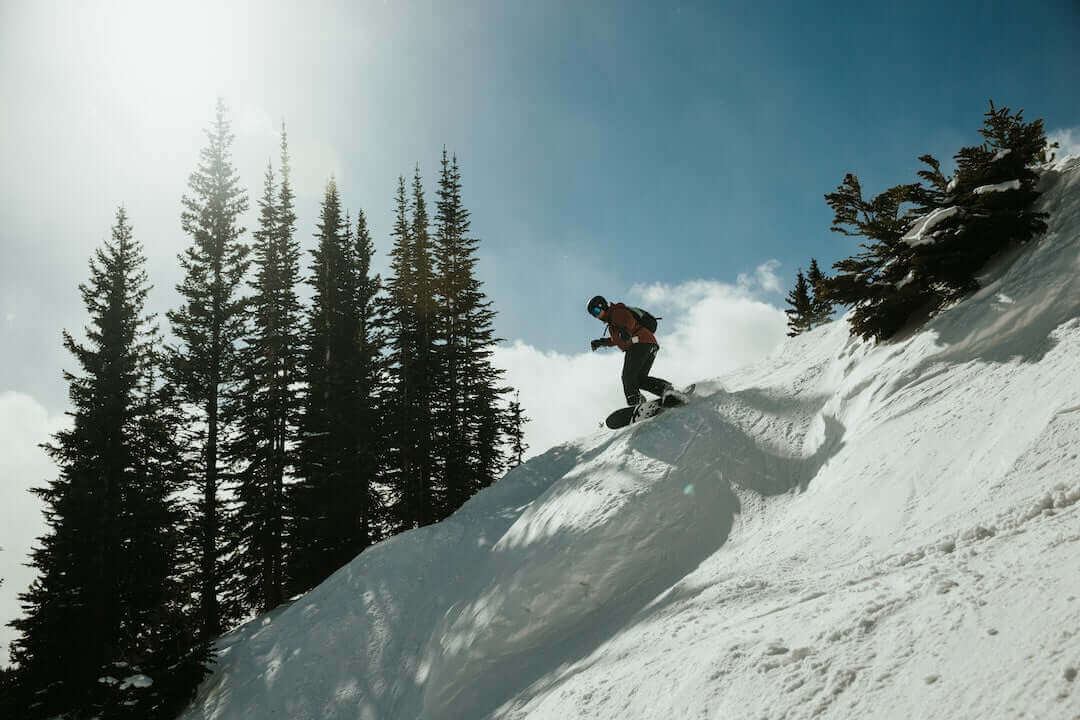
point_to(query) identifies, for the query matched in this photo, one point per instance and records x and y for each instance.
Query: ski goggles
(596, 310)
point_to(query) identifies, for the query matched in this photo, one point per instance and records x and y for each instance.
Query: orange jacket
(619, 319)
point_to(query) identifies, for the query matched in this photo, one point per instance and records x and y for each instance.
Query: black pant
(637, 362)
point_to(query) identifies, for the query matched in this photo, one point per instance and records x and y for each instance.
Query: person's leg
(655, 385)
(636, 363)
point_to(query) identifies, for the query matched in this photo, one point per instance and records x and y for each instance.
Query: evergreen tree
(369, 363)
(454, 264)
(334, 504)
(877, 282)
(425, 371)
(821, 307)
(445, 409)
(801, 313)
(928, 241)
(326, 404)
(206, 365)
(8, 708)
(413, 371)
(993, 193)
(105, 603)
(266, 405)
(489, 419)
(515, 430)
(402, 477)
(472, 420)
(161, 632)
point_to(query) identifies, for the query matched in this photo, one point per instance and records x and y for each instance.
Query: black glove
(603, 342)
(624, 334)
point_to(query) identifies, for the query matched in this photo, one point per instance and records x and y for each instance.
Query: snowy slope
(844, 530)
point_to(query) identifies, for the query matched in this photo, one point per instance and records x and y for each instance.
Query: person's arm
(601, 342)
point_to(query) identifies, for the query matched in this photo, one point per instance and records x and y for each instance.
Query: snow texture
(920, 232)
(845, 530)
(1000, 187)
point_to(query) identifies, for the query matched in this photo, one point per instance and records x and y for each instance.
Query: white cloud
(564, 395)
(1068, 139)
(764, 277)
(708, 329)
(24, 424)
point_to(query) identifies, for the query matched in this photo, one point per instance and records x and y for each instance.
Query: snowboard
(624, 415)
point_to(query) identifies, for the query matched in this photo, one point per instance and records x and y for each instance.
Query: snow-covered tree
(927, 242)
(987, 206)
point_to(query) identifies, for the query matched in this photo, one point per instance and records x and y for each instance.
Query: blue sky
(609, 144)
(603, 144)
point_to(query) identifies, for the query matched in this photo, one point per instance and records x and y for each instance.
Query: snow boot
(672, 396)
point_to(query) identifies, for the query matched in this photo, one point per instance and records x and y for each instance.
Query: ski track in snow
(843, 530)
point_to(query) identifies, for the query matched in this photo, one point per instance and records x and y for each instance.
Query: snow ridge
(844, 530)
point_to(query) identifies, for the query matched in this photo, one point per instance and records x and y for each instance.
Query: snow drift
(845, 530)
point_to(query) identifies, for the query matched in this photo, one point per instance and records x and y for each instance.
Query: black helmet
(597, 305)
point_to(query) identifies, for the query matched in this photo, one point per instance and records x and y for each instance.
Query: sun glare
(163, 61)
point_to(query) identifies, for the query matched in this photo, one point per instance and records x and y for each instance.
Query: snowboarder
(627, 332)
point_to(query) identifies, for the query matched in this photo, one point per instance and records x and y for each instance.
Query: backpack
(644, 318)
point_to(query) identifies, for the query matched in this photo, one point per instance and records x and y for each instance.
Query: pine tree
(413, 371)
(105, 601)
(322, 435)
(205, 365)
(426, 370)
(801, 313)
(488, 419)
(515, 430)
(267, 407)
(821, 307)
(405, 492)
(161, 631)
(993, 193)
(454, 264)
(877, 282)
(334, 504)
(369, 363)
(910, 270)
(8, 707)
(471, 420)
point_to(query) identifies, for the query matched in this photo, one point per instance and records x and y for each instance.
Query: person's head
(597, 307)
